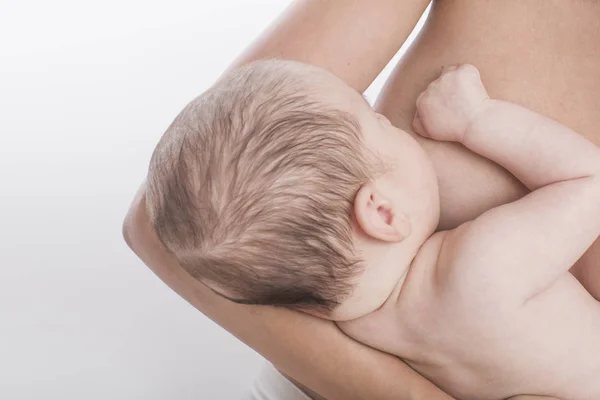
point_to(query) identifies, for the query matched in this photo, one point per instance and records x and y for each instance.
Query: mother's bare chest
(544, 55)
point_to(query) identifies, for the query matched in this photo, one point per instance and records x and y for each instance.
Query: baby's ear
(377, 217)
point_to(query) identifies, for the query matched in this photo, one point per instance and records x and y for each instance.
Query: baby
(281, 186)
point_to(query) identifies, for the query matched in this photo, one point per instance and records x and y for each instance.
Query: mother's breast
(544, 55)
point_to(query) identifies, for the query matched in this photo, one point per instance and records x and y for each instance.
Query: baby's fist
(446, 108)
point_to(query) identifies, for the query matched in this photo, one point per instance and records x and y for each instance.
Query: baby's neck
(415, 266)
(386, 267)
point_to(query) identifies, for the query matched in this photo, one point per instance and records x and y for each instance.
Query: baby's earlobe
(376, 216)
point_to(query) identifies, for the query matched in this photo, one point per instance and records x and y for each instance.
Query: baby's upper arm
(519, 249)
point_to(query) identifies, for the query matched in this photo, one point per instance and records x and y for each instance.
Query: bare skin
(543, 54)
(489, 309)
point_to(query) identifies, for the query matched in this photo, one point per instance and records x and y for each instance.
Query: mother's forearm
(313, 351)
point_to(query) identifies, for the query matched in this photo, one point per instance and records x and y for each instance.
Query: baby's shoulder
(463, 265)
(447, 256)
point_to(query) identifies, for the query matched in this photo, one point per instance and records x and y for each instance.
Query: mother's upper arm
(354, 39)
(313, 351)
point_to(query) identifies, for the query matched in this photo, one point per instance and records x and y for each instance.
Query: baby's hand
(450, 103)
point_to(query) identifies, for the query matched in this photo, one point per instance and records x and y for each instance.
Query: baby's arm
(524, 246)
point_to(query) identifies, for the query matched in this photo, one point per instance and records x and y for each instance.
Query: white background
(86, 90)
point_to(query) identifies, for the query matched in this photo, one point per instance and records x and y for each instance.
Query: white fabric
(270, 384)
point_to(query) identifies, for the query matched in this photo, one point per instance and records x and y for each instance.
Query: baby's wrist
(477, 116)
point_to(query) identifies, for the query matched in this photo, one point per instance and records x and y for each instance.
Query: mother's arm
(354, 39)
(311, 350)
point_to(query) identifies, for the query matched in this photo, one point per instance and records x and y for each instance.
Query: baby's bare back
(549, 346)
(475, 347)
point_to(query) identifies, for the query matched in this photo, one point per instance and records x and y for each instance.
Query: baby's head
(281, 186)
